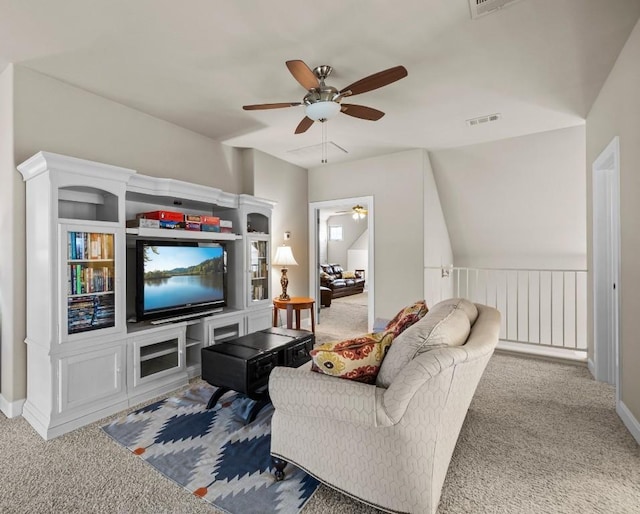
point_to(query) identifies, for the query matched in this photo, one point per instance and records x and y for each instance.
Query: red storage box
(210, 220)
(162, 215)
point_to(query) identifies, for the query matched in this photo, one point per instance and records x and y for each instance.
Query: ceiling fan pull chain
(324, 142)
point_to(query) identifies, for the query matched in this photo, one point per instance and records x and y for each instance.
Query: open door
(316, 210)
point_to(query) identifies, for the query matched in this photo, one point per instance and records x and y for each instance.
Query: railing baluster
(499, 278)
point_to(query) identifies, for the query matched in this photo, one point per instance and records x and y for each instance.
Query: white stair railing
(546, 308)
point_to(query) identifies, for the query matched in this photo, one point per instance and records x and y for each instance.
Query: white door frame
(606, 265)
(314, 265)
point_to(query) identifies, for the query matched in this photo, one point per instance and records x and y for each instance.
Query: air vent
(483, 119)
(481, 7)
(316, 150)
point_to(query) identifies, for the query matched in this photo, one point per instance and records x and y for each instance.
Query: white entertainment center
(87, 357)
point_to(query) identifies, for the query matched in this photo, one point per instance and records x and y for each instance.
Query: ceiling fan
(322, 101)
(357, 212)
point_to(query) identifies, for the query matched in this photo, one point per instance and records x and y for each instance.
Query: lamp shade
(284, 257)
(322, 110)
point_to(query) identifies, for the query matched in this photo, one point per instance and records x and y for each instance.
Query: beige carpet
(540, 437)
(347, 317)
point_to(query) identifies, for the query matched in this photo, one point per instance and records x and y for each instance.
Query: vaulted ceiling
(538, 63)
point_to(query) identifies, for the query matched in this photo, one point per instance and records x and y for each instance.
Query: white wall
(351, 232)
(516, 203)
(12, 290)
(54, 116)
(437, 245)
(286, 184)
(616, 112)
(396, 183)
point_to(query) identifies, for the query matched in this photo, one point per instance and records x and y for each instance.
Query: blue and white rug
(212, 454)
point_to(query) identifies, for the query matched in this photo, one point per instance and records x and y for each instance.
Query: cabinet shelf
(192, 342)
(100, 293)
(158, 353)
(89, 260)
(164, 233)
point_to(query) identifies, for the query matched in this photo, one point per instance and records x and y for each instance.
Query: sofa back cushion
(448, 323)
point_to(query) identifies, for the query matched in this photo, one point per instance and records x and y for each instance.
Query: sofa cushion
(348, 274)
(468, 307)
(407, 317)
(337, 269)
(446, 324)
(355, 359)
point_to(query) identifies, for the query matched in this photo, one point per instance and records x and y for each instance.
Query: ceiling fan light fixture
(323, 110)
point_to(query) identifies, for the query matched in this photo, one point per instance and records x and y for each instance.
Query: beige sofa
(388, 444)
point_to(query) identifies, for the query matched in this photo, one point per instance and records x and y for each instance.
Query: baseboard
(632, 424)
(592, 368)
(556, 354)
(11, 409)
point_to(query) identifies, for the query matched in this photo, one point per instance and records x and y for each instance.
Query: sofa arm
(301, 392)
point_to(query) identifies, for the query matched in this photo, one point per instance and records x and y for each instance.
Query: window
(335, 232)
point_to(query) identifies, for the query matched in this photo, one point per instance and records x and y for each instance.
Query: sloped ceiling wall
(516, 203)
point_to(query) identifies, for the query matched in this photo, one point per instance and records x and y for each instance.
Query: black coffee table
(243, 364)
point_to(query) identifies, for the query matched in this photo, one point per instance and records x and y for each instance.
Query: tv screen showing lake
(177, 275)
(162, 293)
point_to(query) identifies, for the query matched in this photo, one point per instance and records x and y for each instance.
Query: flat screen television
(176, 277)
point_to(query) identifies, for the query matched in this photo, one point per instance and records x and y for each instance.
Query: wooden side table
(296, 303)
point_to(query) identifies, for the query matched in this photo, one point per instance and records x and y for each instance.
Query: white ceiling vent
(481, 7)
(484, 119)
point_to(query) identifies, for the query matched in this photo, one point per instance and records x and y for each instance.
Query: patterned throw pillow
(348, 274)
(407, 317)
(355, 359)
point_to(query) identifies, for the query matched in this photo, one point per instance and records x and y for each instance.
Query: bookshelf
(90, 269)
(84, 361)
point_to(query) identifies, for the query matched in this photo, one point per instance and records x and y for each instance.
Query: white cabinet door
(259, 271)
(157, 355)
(91, 281)
(91, 378)
(223, 328)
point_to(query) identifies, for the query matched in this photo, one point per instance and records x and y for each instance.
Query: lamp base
(284, 282)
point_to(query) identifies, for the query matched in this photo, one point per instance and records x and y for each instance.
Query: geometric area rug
(212, 453)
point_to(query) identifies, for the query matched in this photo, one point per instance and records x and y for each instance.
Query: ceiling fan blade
(270, 106)
(303, 74)
(360, 111)
(380, 79)
(304, 125)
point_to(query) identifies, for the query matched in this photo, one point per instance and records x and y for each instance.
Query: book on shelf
(90, 312)
(90, 245)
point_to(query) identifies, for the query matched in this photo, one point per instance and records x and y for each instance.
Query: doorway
(318, 211)
(606, 265)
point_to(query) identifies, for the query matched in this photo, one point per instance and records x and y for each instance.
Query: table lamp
(284, 257)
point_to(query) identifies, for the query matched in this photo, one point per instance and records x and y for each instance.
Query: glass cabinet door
(259, 271)
(90, 267)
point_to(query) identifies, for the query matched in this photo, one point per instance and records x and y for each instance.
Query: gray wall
(286, 184)
(516, 203)
(12, 296)
(396, 183)
(53, 116)
(351, 231)
(616, 112)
